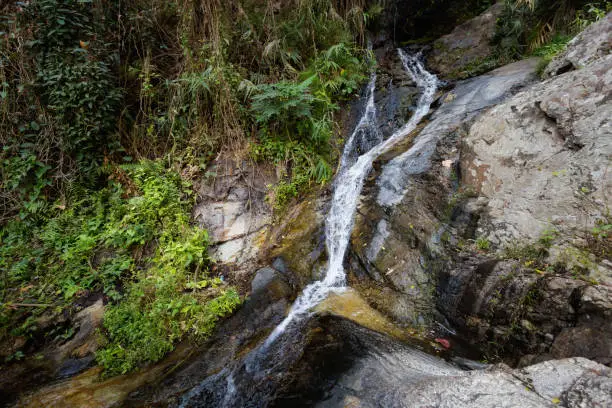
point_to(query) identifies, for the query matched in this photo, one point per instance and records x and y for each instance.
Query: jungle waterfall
(354, 167)
(348, 185)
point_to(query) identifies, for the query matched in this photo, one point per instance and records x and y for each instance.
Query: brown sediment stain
(350, 305)
(477, 175)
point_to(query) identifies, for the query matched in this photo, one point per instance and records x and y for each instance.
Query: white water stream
(353, 170)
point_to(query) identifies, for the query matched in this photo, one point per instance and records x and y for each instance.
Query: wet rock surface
(61, 357)
(398, 226)
(332, 362)
(536, 168)
(515, 312)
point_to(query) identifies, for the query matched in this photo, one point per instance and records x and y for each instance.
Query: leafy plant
(283, 104)
(339, 70)
(527, 25)
(87, 86)
(96, 244)
(483, 244)
(550, 50)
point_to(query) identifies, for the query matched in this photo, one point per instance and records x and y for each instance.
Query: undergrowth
(542, 27)
(131, 241)
(103, 103)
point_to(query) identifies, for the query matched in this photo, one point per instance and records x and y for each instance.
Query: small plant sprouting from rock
(483, 244)
(532, 255)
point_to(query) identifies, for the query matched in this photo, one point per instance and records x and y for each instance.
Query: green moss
(476, 67)
(297, 238)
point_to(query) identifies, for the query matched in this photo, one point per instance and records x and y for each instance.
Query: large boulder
(468, 46)
(541, 161)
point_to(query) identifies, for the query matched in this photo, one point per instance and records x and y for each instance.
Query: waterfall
(366, 134)
(364, 146)
(353, 170)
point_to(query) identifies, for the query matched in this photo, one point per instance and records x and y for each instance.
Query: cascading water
(353, 170)
(366, 134)
(227, 388)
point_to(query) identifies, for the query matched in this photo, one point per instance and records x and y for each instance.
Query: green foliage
(554, 47)
(157, 312)
(83, 100)
(74, 76)
(599, 239)
(99, 243)
(550, 50)
(528, 25)
(339, 70)
(26, 177)
(283, 104)
(483, 244)
(296, 118)
(534, 254)
(89, 85)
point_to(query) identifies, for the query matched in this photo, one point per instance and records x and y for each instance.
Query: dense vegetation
(109, 109)
(543, 27)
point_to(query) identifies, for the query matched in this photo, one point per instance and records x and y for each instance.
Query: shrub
(99, 243)
(296, 118)
(339, 70)
(282, 105)
(527, 25)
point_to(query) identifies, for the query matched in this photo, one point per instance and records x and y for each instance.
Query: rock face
(536, 167)
(508, 309)
(62, 356)
(467, 46)
(339, 363)
(232, 208)
(489, 213)
(400, 216)
(541, 158)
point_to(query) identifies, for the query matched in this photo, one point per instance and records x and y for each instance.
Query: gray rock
(232, 207)
(403, 377)
(467, 45)
(552, 378)
(263, 278)
(459, 106)
(398, 222)
(541, 157)
(593, 389)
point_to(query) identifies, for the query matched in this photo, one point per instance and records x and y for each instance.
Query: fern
(283, 101)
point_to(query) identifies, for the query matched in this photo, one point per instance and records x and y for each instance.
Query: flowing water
(229, 387)
(353, 170)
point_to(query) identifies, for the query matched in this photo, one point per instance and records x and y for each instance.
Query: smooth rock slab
(541, 158)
